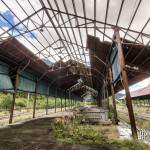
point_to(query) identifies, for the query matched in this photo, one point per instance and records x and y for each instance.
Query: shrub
(21, 104)
(6, 102)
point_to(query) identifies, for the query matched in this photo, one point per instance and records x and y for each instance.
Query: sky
(139, 85)
(9, 16)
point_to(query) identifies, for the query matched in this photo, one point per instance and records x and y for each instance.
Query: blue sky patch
(11, 22)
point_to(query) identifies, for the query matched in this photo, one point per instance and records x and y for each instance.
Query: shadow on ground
(36, 135)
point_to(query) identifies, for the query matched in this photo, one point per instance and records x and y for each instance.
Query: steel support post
(47, 101)
(55, 104)
(69, 99)
(121, 61)
(75, 102)
(47, 105)
(55, 100)
(61, 103)
(35, 98)
(71, 102)
(107, 97)
(113, 96)
(65, 100)
(14, 98)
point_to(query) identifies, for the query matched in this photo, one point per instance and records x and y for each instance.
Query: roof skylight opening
(60, 31)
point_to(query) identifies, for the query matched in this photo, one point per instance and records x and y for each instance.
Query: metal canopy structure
(57, 30)
(62, 41)
(137, 63)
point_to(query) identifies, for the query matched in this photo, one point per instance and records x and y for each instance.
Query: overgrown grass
(76, 133)
(144, 124)
(22, 101)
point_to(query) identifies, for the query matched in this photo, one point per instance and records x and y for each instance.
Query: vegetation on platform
(23, 101)
(76, 133)
(138, 112)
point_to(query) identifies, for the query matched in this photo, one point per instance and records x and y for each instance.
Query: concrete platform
(36, 134)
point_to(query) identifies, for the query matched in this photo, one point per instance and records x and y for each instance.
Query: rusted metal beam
(120, 12)
(84, 12)
(45, 25)
(67, 32)
(106, 16)
(107, 92)
(36, 27)
(65, 100)
(73, 32)
(113, 96)
(47, 105)
(77, 21)
(55, 99)
(121, 61)
(14, 97)
(97, 21)
(132, 19)
(47, 101)
(20, 22)
(107, 98)
(35, 97)
(61, 103)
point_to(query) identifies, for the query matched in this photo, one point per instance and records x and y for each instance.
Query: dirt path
(36, 135)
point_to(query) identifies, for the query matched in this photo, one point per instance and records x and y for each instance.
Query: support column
(55, 99)
(107, 96)
(61, 103)
(35, 97)
(75, 103)
(69, 100)
(47, 101)
(113, 96)
(65, 100)
(14, 97)
(121, 61)
(148, 102)
(72, 102)
(55, 104)
(47, 105)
